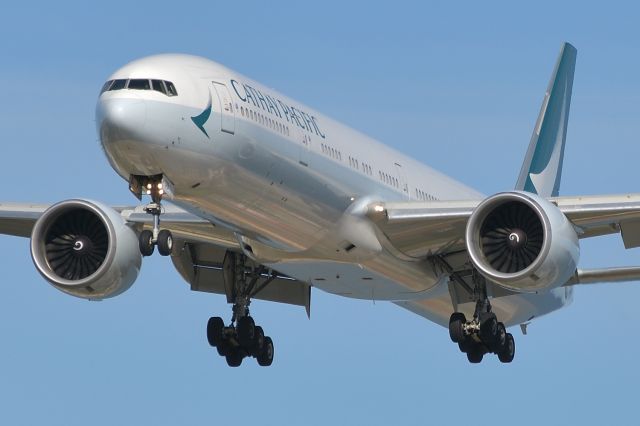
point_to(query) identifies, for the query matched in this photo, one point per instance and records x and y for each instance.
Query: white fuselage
(290, 182)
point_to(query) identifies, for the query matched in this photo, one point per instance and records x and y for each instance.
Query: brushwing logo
(546, 167)
(201, 119)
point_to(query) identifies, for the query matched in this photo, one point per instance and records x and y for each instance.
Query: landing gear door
(228, 119)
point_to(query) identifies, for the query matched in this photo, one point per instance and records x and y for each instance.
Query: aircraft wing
(19, 218)
(198, 257)
(417, 230)
(422, 228)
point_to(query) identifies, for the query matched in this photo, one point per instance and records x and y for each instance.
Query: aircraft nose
(122, 127)
(121, 118)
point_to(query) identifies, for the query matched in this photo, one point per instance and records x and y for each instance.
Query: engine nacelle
(85, 249)
(522, 242)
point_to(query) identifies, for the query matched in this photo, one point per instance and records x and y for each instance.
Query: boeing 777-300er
(269, 198)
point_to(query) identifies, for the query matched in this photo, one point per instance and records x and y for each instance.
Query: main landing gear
(483, 334)
(242, 338)
(149, 239)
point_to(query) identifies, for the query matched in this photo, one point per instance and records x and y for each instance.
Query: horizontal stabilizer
(605, 275)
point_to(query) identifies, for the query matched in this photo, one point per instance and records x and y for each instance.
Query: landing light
(379, 208)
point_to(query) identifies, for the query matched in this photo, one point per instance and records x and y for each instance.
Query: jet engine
(522, 242)
(85, 249)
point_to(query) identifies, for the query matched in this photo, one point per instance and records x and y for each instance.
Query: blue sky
(457, 85)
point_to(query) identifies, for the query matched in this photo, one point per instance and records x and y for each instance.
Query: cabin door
(225, 107)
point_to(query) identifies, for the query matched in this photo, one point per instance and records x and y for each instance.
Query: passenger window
(118, 84)
(158, 86)
(106, 86)
(171, 89)
(139, 84)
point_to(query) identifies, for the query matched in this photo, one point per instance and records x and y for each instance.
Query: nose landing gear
(149, 239)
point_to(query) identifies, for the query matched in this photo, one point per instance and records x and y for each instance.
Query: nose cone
(124, 116)
(121, 124)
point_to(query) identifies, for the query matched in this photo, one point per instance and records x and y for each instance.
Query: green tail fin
(542, 166)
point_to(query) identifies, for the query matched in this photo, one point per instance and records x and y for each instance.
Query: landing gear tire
(258, 340)
(165, 242)
(234, 358)
(246, 331)
(456, 327)
(502, 336)
(508, 350)
(224, 348)
(464, 345)
(265, 358)
(475, 354)
(145, 241)
(489, 329)
(215, 329)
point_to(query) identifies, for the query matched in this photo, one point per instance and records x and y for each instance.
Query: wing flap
(603, 215)
(630, 231)
(201, 265)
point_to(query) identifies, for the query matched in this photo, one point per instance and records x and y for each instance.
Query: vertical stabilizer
(542, 166)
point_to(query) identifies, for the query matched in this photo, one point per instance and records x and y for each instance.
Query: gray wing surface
(18, 219)
(418, 230)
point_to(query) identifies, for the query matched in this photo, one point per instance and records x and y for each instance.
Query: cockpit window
(139, 84)
(171, 90)
(118, 85)
(158, 86)
(162, 86)
(106, 86)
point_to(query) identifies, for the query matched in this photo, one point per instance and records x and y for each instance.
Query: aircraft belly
(378, 278)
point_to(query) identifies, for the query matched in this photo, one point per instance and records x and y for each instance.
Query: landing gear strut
(148, 239)
(483, 334)
(242, 337)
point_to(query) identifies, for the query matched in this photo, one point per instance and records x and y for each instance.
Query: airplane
(254, 195)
